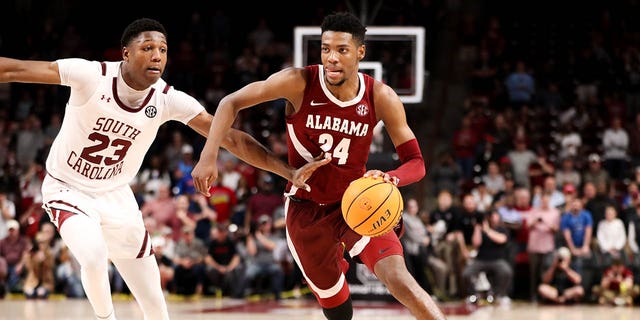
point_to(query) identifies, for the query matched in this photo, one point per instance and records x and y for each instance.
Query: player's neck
(131, 97)
(346, 90)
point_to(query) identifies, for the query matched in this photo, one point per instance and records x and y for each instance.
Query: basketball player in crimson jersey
(331, 111)
(111, 119)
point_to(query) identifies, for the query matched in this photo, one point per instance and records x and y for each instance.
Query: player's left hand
(204, 174)
(385, 176)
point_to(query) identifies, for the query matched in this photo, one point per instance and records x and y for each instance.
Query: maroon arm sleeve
(412, 167)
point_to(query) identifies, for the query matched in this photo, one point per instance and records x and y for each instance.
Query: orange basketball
(371, 206)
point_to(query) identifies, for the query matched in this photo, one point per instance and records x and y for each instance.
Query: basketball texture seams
(357, 196)
(371, 206)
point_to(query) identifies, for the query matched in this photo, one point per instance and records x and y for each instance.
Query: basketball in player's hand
(371, 206)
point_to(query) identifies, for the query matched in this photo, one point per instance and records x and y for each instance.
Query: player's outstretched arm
(248, 149)
(28, 71)
(278, 85)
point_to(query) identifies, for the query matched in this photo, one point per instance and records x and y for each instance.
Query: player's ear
(361, 52)
(125, 54)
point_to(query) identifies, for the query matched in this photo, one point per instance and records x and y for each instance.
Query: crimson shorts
(318, 236)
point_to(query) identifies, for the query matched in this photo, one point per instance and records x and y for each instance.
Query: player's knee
(341, 312)
(95, 259)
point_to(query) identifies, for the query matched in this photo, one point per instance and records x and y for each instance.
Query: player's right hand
(303, 173)
(204, 174)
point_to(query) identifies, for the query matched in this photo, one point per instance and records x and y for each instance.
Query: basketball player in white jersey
(111, 119)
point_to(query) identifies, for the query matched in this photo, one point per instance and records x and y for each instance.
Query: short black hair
(139, 26)
(345, 22)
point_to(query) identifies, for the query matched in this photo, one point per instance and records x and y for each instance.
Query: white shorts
(116, 212)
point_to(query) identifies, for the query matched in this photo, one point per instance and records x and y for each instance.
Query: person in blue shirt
(577, 229)
(520, 86)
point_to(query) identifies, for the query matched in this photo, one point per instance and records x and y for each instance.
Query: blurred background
(522, 99)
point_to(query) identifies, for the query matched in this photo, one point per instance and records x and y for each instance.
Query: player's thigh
(313, 242)
(376, 248)
(61, 202)
(123, 226)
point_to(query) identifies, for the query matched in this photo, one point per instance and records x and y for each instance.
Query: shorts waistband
(298, 200)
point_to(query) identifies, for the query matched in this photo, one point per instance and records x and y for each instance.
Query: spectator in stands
(633, 129)
(501, 135)
(222, 199)
(570, 142)
(416, 242)
(39, 264)
(633, 192)
(465, 142)
(615, 143)
(229, 175)
(617, 286)
(595, 173)
(483, 198)
(29, 141)
(264, 202)
(189, 263)
(49, 234)
(489, 238)
(7, 212)
(570, 192)
(551, 98)
(560, 282)
(194, 211)
(419, 251)
(539, 170)
(182, 173)
(162, 209)
(173, 151)
(505, 205)
(611, 237)
(550, 188)
(596, 198)
(67, 274)
(224, 264)
(483, 75)
(633, 234)
(520, 86)
(543, 222)
(31, 198)
(494, 179)
(442, 222)
(567, 173)
(522, 205)
(465, 226)
(446, 174)
(521, 159)
(586, 75)
(12, 248)
(576, 226)
(165, 264)
(260, 244)
(150, 180)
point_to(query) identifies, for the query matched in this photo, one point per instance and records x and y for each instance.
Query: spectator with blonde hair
(39, 264)
(611, 237)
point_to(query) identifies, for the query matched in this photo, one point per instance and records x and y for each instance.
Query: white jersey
(103, 142)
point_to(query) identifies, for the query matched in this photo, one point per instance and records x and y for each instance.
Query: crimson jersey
(343, 129)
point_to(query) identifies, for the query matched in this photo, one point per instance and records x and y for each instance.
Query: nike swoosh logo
(384, 250)
(313, 103)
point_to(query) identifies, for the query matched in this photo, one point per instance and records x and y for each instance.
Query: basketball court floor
(303, 309)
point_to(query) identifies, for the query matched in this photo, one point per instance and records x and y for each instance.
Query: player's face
(145, 59)
(340, 56)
